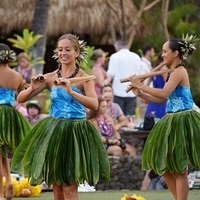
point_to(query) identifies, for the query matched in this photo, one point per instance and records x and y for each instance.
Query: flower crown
(82, 53)
(188, 45)
(8, 56)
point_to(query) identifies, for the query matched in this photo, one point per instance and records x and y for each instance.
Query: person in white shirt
(148, 53)
(122, 64)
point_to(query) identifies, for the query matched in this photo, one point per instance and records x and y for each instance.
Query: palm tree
(39, 26)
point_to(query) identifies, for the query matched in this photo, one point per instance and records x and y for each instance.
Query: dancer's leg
(1, 179)
(6, 171)
(146, 181)
(170, 180)
(58, 192)
(182, 186)
(70, 192)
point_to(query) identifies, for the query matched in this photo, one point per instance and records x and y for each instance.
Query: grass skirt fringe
(173, 143)
(13, 128)
(64, 151)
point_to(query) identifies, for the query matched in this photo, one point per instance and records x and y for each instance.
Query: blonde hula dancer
(174, 141)
(13, 126)
(64, 149)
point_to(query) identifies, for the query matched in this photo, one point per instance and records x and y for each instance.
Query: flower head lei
(82, 53)
(188, 45)
(8, 56)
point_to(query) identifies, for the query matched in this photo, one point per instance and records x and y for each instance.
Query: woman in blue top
(64, 149)
(174, 141)
(13, 125)
(158, 109)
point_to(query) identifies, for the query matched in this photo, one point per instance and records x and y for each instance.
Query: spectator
(122, 64)
(21, 108)
(146, 66)
(110, 136)
(34, 112)
(159, 110)
(113, 109)
(24, 67)
(98, 70)
(153, 181)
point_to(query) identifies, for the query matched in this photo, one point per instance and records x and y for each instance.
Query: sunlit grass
(116, 195)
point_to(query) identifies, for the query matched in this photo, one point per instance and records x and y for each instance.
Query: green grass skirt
(173, 143)
(13, 128)
(62, 151)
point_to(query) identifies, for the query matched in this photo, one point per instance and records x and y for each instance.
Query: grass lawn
(116, 195)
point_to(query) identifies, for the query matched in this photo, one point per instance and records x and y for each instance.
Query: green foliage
(25, 43)
(182, 20)
(86, 66)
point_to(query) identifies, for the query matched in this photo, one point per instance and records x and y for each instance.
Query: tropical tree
(25, 43)
(39, 26)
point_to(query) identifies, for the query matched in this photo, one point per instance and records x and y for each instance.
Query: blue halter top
(180, 99)
(7, 96)
(64, 106)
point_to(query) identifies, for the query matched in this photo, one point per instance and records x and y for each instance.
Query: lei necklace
(105, 126)
(168, 75)
(111, 111)
(72, 75)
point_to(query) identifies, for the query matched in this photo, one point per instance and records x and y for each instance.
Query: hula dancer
(64, 149)
(13, 125)
(174, 141)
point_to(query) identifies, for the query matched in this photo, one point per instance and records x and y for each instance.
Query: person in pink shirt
(22, 109)
(99, 58)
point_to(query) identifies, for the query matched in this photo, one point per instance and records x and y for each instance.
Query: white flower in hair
(9, 56)
(83, 51)
(188, 45)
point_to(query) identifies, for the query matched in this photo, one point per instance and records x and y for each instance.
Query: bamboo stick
(39, 78)
(147, 75)
(75, 80)
(153, 70)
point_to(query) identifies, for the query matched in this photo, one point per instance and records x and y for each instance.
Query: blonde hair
(79, 46)
(23, 55)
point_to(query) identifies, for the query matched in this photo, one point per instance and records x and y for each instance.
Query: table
(134, 132)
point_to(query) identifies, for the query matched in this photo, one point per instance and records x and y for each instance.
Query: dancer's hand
(135, 82)
(37, 81)
(65, 83)
(136, 91)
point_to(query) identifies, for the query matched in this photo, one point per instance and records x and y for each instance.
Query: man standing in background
(148, 53)
(122, 64)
